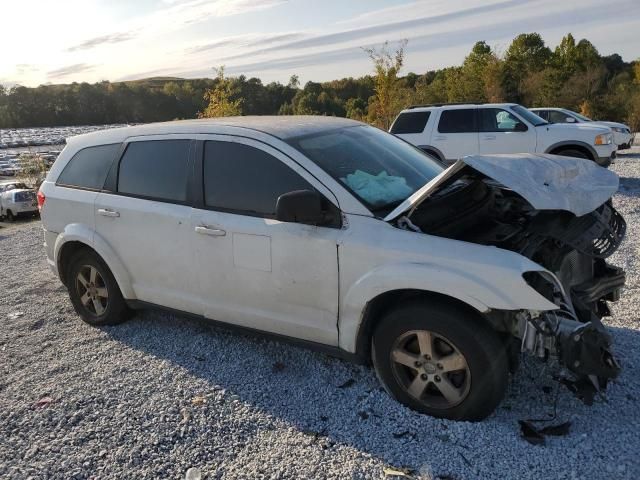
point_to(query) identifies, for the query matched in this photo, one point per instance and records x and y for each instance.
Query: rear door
(145, 218)
(254, 270)
(457, 133)
(503, 132)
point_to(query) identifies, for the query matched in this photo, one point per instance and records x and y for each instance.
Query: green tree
(526, 54)
(219, 98)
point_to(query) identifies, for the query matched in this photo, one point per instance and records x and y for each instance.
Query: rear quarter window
(410, 122)
(89, 167)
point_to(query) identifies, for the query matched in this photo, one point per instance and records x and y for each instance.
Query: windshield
(577, 115)
(529, 116)
(380, 169)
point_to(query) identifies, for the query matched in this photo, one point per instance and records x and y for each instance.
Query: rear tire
(440, 359)
(94, 292)
(10, 216)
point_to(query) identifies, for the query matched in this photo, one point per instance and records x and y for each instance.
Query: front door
(503, 132)
(255, 271)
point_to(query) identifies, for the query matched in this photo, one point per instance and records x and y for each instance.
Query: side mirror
(520, 127)
(570, 120)
(300, 206)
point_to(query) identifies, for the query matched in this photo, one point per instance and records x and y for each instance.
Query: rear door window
(543, 114)
(462, 120)
(156, 170)
(410, 122)
(88, 168)
(557, 117)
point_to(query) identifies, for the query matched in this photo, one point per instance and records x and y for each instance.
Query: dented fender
(480, 292)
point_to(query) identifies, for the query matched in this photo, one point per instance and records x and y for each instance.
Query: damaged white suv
(343, 237)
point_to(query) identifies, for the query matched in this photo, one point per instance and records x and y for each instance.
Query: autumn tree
(220, 98)
(386, 101)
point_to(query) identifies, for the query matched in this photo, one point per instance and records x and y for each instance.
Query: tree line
(574, 75)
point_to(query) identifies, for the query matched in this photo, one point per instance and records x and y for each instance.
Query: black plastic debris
(347, 384)
(536, 436)
(559, 430)
(531, 433)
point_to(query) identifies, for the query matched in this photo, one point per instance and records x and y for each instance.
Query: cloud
(70, 70)
(25, 68)
(196, 11)
(397, 27)
(245, 41)
(102, 40)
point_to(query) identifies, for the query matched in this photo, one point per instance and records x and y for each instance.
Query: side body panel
(376, 257)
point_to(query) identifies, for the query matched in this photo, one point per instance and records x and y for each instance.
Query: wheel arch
(77, 237)
(378, 306)
(573, 145)
(433, 151)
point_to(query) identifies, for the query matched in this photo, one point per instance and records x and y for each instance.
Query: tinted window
(89, 167)
(410, 122)
(458, 121)
(247, 180)
(156, 169)
(497, 120)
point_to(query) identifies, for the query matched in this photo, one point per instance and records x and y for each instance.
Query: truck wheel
(441, 360)
(10, 216)
(94, 292)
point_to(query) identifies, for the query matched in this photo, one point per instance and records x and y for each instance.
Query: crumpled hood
(547, 182)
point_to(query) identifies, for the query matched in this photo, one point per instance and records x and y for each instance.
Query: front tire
(94, 292)
(441, 360)
(10, 216)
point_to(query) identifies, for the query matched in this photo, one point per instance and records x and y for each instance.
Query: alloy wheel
(92, 290)
(431, 369)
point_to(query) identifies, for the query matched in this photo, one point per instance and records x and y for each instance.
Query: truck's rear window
(410, 122)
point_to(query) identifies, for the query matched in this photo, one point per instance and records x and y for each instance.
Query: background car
(450, 132)
(16, 200)
(622, 135)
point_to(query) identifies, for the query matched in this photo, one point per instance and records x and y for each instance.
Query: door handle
(440, 137)
(108, 213)
(213, 232)
(489, 137)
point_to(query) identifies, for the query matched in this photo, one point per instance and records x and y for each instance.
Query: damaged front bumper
(582, 348)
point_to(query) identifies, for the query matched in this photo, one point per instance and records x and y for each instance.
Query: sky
(66, 41)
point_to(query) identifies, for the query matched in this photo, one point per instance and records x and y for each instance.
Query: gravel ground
(161, 394)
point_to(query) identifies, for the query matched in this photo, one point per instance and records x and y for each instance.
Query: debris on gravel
(163, 396)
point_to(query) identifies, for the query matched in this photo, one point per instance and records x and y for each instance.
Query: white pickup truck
(450, 132)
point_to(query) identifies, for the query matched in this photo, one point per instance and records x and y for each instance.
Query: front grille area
(576, 268)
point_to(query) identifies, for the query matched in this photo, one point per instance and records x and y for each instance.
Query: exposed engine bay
(473, 207)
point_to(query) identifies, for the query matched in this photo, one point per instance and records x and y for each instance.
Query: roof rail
(443, 104)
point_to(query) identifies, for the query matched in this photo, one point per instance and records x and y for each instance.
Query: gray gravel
(161, 396)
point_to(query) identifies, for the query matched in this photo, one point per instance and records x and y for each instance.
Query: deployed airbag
(378, 189)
